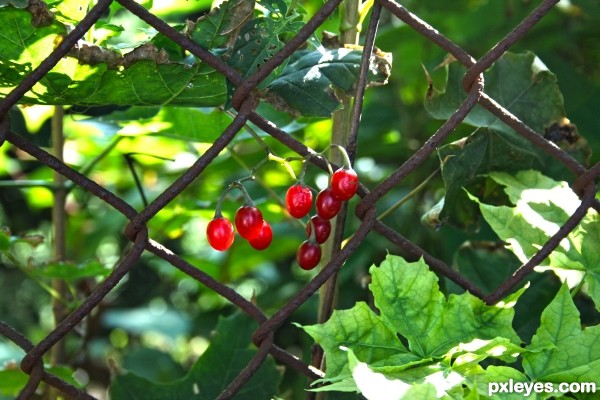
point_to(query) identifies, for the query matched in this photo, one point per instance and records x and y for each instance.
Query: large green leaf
(307, 86)
(411, 303)
(575, 354)
(95, 76)
(542, 206)
(519, 82)
(229, 352)
(446, 337)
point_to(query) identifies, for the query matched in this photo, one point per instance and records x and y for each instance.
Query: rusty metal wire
(136, 231)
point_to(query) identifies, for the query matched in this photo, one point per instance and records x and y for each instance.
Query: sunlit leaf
(541, 207)
(459, 328)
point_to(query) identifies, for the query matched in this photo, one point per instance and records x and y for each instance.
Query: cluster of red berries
(298, 201)
(250, 225)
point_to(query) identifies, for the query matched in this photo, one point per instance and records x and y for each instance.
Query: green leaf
(376, 386)
(257, 42)
(307, 86)
(222, 23)
(576, 353)
(190, 124)
(519, 82)
(464, 162)
(408, 296)
(72, 272)
(361, 330)
(4, 240)
(96, 76)
(542, 205)
(229, 352)
(488, 382)
(447, 338)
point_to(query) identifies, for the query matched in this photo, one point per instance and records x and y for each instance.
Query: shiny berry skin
(248, 221)
(344, 183)
(327, 204)
(308, 255)
(220, 233)
(263, 240)
(298, 200)
(322, 228)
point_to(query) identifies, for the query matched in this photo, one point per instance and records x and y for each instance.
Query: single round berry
(308, 255)
(322, 228)
(220, 233)
(248, 221)
(327, 204)
(298, 200)
(263, 240)
(344, 183)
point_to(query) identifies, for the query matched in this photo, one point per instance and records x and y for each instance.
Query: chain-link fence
(243, 101)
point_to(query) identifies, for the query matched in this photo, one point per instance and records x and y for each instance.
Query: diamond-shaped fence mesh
(243, 101)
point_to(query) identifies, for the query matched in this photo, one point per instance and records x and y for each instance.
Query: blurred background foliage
(158, 320)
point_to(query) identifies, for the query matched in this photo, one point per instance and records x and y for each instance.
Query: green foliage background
(158, 313)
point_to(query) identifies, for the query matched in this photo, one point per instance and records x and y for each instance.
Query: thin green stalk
(59, 236)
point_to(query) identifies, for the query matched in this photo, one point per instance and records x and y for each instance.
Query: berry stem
(345, 157)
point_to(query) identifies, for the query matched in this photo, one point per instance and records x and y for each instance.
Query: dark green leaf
(464, 163)
(307, 86)
(258, 41)
(519, 82)
(222, 23)
(229, 352)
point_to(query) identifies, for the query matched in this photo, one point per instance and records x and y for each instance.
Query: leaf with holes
(95, 76)
(520, 83)
(222, 24)
(541, 207)
(307, 86)
(460, 328)
(257, 42)
(229, 352)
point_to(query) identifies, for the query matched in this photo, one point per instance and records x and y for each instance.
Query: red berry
(344, 183)
(328, 205)
(263, 240)
(308, 255)
(298, 200)
(248, 221)
(322, 228)
(220, 233)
